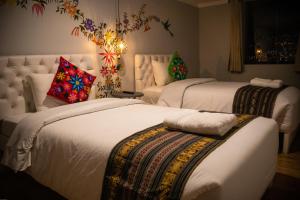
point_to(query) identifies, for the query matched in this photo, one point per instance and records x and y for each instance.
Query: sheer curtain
(235, 56)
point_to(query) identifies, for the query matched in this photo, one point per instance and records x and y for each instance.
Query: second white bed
(211, 95)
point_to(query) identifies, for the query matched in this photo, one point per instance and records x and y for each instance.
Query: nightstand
(130, 95)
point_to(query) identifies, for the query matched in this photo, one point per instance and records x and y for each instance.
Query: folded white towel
(266, 82)
(202, 122)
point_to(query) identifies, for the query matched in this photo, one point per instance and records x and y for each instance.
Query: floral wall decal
(99, 33)
(109, 71)
(88, 27)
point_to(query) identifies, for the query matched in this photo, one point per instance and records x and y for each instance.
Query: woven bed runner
(157, 162)
(255, 100)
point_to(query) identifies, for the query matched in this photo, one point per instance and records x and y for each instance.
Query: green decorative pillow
(177, 68)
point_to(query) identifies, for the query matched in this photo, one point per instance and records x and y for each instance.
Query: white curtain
(235, 56)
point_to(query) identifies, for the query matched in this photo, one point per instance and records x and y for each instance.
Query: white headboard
(13, 70)
(143, 69)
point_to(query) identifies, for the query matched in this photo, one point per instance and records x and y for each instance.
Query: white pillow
(160, 72)
(40, 84)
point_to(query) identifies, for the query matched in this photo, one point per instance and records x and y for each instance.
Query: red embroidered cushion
(70, 83)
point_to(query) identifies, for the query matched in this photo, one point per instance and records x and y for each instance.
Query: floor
(286, 184)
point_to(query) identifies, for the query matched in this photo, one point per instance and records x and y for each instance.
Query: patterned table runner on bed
(255, 100)
(156, 163)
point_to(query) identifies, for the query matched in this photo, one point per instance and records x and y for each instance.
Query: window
(271, 31)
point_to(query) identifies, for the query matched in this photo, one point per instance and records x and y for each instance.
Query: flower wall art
(109, 40)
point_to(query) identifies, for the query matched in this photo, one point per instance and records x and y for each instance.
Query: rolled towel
(266, 83)
(202, 122)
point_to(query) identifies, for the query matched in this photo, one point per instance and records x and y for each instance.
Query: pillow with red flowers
(70, 83)
(177, 68)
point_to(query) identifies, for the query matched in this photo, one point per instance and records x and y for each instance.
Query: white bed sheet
(70, 155)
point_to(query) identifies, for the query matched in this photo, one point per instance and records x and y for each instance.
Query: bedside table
(132, 95)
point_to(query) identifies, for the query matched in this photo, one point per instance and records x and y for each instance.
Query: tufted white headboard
(143, 69)
(13, 70)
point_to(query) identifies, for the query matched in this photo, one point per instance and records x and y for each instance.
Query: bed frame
(13, 70)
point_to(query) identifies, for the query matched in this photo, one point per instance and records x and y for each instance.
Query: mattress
(77, 148)
(152, 94)
(8, 125)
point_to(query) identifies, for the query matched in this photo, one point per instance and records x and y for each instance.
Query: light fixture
(120, 44)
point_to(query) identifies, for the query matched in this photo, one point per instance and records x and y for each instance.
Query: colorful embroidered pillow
(177, 68)
(70, 83)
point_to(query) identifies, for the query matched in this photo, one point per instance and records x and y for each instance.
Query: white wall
(214, 27)
(24, 33)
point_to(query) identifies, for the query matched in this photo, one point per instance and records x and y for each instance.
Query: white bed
(66, 148)
(70, 158)
(212, 95)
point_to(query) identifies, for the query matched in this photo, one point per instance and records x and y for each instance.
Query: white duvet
(218, 96)
(67, 149)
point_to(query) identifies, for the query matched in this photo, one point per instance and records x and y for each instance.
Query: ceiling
(204, 3)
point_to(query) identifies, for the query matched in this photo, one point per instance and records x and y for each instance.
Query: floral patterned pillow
(70, 83)
(177, 68)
